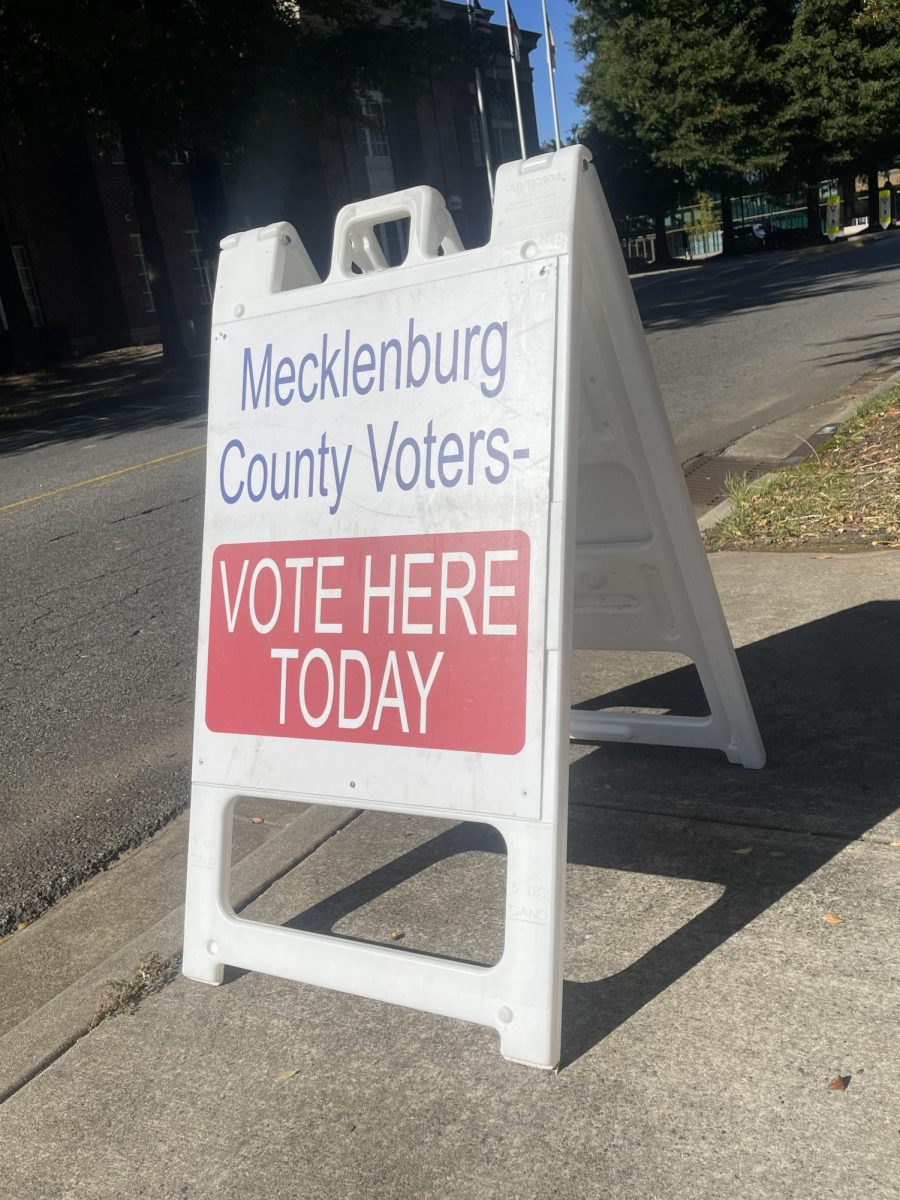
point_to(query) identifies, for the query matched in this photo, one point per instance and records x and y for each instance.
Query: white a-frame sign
(422, 483)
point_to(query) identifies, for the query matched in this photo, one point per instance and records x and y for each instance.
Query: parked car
(748, 238)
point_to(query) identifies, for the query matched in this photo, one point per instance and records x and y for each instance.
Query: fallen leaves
(831, 918)
(840, 1083)
(256, 820)
(283, 1076)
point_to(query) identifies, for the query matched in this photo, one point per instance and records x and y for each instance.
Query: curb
(44, 1036)
(840, 412)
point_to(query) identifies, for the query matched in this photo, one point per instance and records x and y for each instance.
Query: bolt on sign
(425, 484)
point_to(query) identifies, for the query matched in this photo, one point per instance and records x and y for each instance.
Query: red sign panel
(402, 641)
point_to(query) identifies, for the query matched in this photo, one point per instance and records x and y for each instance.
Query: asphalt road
(740, 343)
(100, 524)
(98, 612)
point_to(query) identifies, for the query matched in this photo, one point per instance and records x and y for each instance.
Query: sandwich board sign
(425, 484)
(884, 207)
(832, 217)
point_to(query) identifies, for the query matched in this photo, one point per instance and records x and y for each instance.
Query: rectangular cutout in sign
(414, 641)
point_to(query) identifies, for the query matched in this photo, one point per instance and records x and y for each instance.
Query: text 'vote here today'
(414, 640)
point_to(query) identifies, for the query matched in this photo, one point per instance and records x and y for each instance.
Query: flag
(513, 30)
(552, 46)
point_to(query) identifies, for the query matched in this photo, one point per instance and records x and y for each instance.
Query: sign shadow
(825, 694)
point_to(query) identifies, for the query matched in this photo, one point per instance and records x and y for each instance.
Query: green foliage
(714, 91)
(707, 219)
(689, 80)
(841, 108)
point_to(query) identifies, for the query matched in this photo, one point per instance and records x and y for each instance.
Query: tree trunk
(728, 243)
(813, 213)
(103, 312)
(848, 198)
(27, 349)
(662, 242)
(210, 203)
(872, 174)
(174, 351)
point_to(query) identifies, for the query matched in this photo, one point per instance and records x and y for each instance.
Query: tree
(842, 109)
(208, 75)
(689, 82)
(632, 183)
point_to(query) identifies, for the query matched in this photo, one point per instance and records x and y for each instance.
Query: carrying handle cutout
(432, 231)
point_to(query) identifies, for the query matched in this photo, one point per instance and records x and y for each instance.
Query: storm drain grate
(705, 476)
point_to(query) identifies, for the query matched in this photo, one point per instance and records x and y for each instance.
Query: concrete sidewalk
(731, 950)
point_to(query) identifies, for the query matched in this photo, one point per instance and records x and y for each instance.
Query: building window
(117, 153)
(506, 132)
(375, 138)
(477, 140)
(393, 240)
(203, 271)
(137, 249)
(4, 324)
(179, 156)
(26, 281)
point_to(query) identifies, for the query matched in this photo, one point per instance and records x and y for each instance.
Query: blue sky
(528, 15)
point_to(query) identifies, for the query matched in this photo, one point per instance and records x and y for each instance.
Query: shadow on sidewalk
(826, 698)
(102, 396)
(695, 298)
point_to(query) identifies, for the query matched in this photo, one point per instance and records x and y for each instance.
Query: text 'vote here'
(414, 640)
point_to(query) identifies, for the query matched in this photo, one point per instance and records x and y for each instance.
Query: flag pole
(513, 57)
(551, 71)
(485, 133)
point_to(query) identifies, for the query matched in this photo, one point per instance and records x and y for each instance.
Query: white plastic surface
(470, 717)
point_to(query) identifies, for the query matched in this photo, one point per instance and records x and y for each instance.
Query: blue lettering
(381, 476)
(265, 377)
(394, 345)
(228, 497)
(328, 368)
(364, 351)
(408, 484)
(257, 460)
(499, 456)
(304, 395)
(284, 373)
(450, 453)
(495, 370)
(413, 340)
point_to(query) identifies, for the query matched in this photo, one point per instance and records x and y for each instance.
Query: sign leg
(529, 1014)
(209, 869)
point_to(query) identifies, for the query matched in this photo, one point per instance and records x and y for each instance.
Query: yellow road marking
(70, 487)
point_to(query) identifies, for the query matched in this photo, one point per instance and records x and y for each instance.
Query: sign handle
(432, 231)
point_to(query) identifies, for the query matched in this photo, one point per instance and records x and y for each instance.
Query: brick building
(73, 272)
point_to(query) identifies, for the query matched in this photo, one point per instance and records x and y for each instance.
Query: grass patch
(846, 495)
(124, 995)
